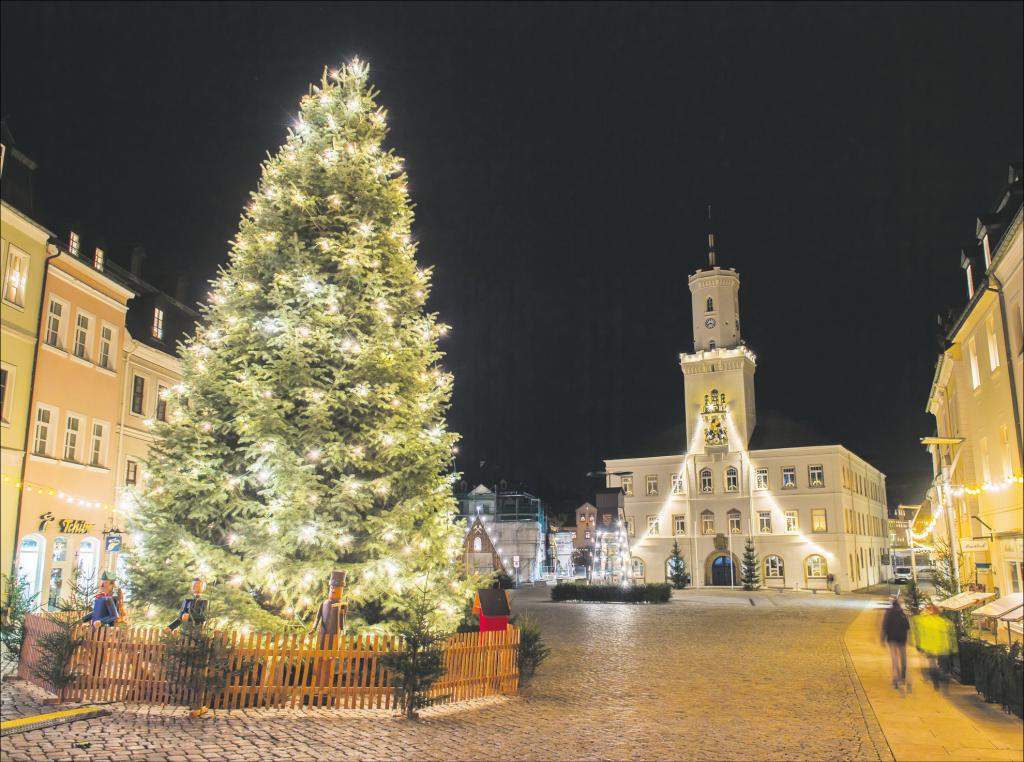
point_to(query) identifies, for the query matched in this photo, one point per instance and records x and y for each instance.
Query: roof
(492, 601)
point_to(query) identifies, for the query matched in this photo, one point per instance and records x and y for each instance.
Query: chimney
(181, 288)
(138, 254)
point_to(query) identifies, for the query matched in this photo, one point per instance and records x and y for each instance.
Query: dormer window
(97, 259)
(74, 243)
(711, 305)
(158, 323)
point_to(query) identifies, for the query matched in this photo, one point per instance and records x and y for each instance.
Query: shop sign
(67, 526)
(973, 544)
(515, 562)
(113, 543)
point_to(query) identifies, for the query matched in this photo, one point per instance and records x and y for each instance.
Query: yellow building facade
(69, 486)
(976, 397)
(23, 253)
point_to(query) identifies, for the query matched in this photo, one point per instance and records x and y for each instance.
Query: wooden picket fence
(127, 664)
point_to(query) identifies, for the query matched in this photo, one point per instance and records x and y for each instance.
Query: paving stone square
(711, 675)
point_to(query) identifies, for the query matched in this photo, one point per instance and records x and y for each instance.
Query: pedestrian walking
(895, 627)
(935, 637)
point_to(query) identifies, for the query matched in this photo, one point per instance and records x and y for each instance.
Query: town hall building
(817, 514)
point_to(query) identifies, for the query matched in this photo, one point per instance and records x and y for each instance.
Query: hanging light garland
(50, 491)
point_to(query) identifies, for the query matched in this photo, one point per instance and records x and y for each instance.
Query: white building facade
(816, 514)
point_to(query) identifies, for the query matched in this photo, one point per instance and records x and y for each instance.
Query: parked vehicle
(902, 575)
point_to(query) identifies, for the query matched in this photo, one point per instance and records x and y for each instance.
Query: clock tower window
(711, 305)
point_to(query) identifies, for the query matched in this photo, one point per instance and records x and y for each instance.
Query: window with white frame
(732, 479)
(792, 521)
(972, 352)
(98, 259)
(764, 521)
(789, 477)
(773, 567)
(678, 484)
(6, 390)
(630, 527)
(131, 472)
(816, 566)
(42, 439)
(627, 486)
(816, 475)
(819, 520)
(986, 470)
(652, 486)
(653, 526)
(161, 402)
(74, 243)
(83, 335)
(72, 428)
(106, 357)
(707, 522)
(761, 478)
(679, 525)
(706, 483)
(16, 276)
(138, 394)
(98, 447)
(734, 521)
(158, 323)
(638, 567)
(55, 324)
(993, 347)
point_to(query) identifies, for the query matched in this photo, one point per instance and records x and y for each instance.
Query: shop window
(30, 565)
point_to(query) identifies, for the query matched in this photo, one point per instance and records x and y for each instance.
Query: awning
(1006, 605)
(964, 600)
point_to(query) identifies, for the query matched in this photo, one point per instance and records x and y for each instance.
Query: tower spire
(711, 240)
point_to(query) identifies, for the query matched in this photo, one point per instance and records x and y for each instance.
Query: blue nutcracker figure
(104, 606)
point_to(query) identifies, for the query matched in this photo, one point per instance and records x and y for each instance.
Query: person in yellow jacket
(934, 636)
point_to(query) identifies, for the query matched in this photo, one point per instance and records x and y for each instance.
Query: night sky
(561, 158)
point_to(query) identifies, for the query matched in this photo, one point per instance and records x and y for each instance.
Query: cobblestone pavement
(708, 676)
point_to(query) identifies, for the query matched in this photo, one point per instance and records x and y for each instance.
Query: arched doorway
(721, 569)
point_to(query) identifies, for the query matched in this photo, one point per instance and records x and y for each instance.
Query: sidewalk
(926, 724)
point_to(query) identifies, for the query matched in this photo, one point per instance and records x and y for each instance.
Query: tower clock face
(710, 323)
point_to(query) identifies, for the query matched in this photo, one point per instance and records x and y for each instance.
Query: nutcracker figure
(104, 606)
(193, 609)
(330, 617)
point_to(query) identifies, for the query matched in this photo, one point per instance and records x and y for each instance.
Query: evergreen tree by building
(308, 433)
(677, 568)
(750, 574)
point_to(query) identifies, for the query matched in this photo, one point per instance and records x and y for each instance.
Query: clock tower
(718, 377)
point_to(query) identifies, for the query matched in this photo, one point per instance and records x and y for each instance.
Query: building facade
(816, 514)
(69, 487)
(23, 253)
(976, 399)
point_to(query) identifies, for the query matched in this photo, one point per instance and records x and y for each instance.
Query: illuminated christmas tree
(308, 433)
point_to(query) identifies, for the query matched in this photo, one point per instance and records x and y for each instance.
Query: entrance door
(721, 571)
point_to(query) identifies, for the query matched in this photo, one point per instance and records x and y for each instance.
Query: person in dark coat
(895, 627)
(193, 609)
